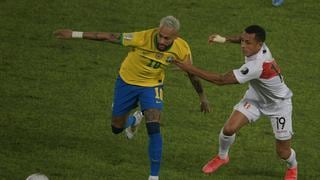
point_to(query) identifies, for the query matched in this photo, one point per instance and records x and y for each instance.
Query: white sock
(292, 161)
(224, 144)
(153, 178)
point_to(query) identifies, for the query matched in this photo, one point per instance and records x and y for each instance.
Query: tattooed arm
(196, 83)
(204, 103)
(97, 36)
(103, 36)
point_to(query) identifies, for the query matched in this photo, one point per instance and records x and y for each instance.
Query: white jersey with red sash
(266, 84)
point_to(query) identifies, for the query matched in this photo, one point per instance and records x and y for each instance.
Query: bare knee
(117, 123)
(229, 130)
(152, 115)
(234, 123)
(116, 130)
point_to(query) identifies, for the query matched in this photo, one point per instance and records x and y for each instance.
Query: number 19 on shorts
(281, 121)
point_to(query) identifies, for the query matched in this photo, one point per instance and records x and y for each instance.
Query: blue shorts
(127, 96)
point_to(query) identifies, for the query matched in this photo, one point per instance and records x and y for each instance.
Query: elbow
(220, 81)
(217, 82)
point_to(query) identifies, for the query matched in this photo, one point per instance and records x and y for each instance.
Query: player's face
(249, 44)
(165, 37)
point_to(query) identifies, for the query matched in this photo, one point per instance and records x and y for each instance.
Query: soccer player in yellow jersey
(141, 78)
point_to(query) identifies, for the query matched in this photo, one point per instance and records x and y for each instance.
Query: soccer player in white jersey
(267, 95)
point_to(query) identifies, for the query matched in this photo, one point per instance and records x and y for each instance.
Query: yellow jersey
(145, 64)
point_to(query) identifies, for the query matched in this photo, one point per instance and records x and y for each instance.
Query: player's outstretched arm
(216, 38)
(98, 36)
(63, 33)
(215, 78)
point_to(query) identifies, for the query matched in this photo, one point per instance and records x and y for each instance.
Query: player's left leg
(286, 153)
(152, 117)
(151, 104)
(282, 128)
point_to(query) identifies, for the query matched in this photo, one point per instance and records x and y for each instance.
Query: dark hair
(259, 31)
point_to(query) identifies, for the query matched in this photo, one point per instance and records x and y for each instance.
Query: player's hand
(205, 107)
(216, 38)
(182, 65)
(63, 34)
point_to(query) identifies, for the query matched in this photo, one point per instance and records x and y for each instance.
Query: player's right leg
(133, 123)
(127, 122)
(226, 139)
(244, 112)
(125, 99)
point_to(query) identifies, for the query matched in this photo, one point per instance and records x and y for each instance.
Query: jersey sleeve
(188, 53)
(133, 39)
(248, 71)
(185, 52)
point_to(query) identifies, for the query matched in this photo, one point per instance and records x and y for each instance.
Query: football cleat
(291, 174)
(153, 178)
(131, 130)
(277, 3)
(214, 164)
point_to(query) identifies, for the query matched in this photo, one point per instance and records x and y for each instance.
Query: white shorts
(280, 115)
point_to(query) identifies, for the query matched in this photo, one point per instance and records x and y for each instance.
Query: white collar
(264, 50)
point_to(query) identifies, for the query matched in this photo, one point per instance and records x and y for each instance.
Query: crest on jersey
(128, 36)
(244, 71)
(159, 55)
(170, 59)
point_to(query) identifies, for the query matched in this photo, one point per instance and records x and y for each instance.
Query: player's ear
(260, 43)
(175, 36)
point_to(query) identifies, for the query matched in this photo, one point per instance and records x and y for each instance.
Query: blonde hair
(170, 21)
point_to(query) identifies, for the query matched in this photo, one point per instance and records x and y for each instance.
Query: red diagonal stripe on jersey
(270, 70)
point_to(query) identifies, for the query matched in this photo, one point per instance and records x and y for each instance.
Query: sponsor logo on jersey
(170, 59)
(244, 71)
